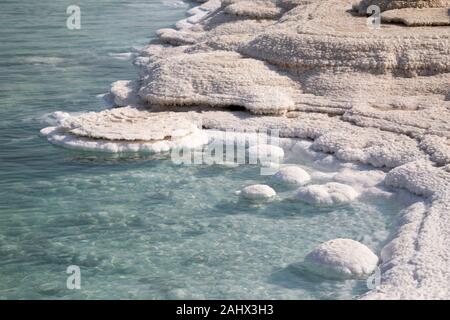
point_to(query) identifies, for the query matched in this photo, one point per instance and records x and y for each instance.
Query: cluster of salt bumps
(334, 259)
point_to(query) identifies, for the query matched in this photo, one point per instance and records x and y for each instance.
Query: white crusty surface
(293, 175)
(128, 124)
(125, 130)
(401, 4)
(341, 259)
(266, 153)
(314, 70)
(124, 93)
(257, 192)
(331, 193)
(418, 17)
(170, 82)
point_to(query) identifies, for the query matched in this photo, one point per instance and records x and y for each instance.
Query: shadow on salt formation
(280, 206)
(296, 276)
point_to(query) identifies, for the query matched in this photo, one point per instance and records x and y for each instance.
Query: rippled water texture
(138, 226)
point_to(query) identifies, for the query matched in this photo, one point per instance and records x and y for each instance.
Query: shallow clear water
(138, 226)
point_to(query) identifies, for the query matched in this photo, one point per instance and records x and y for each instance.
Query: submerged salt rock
(359, 178)
(341, 259)
(258, 192)
(327, 194)
(292, 175)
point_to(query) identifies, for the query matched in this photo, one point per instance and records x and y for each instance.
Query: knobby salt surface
(314, 70)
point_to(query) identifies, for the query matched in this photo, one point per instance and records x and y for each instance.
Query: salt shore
(313, 70)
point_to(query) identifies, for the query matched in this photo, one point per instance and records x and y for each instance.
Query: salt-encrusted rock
(257, 192)
(265, 154)
(341, 259)
(124, 93)
(400, 4)
(125, 130)
(259, 9)
(128, 124)
(418, 17)
(421, 178)
(320, 36)
(360, 179)
(369, 146)
(292, 175)
(331, 193)
(62, 138)
(180, 80)
(437, 147)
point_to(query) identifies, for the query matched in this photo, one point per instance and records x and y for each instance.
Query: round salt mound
(258, 192)
(341, 259)
(292, 175)
(327, 194)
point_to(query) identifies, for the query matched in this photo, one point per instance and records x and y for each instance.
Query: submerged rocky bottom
(142, 227)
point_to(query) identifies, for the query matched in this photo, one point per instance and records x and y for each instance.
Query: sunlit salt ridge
(380, 99)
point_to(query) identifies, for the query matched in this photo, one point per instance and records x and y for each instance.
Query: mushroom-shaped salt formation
(327, 194)
(125, 130)
(292, 175)
(341, 259)
(257, 192)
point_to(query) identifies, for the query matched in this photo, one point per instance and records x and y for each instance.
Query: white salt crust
(125, 130)
(331, 193)
(341, 259)
(266, 154)
(374, 97)
(292, 175)
(257, 192)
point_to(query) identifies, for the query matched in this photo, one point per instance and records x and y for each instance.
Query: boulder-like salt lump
(293, 175)
(266, 153)
(341, 259)
(327, 194)
(258, 192)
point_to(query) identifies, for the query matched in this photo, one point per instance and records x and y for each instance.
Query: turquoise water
(137, 226)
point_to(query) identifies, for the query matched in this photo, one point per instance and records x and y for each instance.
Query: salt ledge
(313, 70)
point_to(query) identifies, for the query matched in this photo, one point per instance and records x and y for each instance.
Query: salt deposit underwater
(148, 228)
(315, 71)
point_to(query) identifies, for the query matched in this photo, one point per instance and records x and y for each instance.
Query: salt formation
(125, 130)
(341, 259)
(401, 4)
(266, 153)
(421, 17)
(312, 70)
(292, 175)
(124, 93)
(331, 193)
(368, 178)
(257, 192)
(229, 83)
